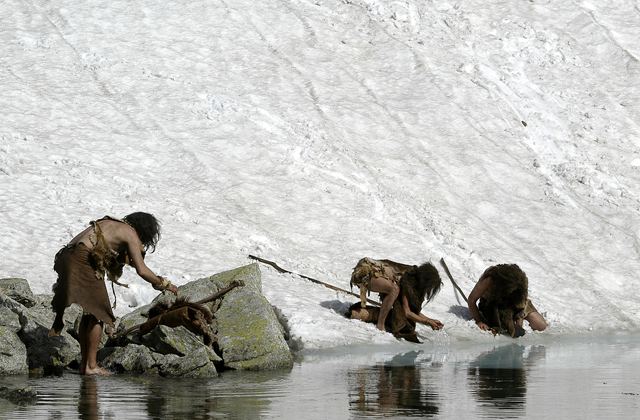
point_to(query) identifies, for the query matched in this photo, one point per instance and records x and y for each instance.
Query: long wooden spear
(235, 283)
(446, 269)
(282, 270)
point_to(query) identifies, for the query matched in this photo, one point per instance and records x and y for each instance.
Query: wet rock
(133, 358)
(18, 290)
(198, 364)
(19, 395)
(13, 353)
(178, 341)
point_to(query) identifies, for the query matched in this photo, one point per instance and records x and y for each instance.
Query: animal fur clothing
(368, 269)
(416, 284)
(194, 317)
(508, 299)
(78, 283)
(81, 275)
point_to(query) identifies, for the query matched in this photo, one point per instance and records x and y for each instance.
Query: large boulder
(249, 334)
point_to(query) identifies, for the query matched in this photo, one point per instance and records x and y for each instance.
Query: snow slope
(314, 133)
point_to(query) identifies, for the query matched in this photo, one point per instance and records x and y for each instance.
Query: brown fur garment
(194, 317)
(417, 284)
(507, 300)
(161, 307)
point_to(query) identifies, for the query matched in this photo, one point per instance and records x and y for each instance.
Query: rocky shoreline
(249, 334)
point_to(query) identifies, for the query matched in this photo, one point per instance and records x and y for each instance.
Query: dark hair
(422, 282)
(147, 227)
(510, 283)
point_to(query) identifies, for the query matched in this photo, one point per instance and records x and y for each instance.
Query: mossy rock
(249, 334)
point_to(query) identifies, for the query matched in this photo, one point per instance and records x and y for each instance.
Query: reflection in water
(391, 388)
(577, 379)
(88, 401)
(498, 377)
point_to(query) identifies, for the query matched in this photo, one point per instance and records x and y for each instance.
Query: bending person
(106, 246)
(409, 286)
(503, 293)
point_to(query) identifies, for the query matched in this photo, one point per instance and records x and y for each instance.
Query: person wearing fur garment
(503, 293)
(402, 288)
(104, 247)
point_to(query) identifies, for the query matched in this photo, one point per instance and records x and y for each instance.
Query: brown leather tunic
(81, 278)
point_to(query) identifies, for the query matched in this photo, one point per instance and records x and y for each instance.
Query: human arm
(480, 288)
(433, 323)
(136, 260)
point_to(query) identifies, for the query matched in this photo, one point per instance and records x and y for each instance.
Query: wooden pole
(282, 270)
(446, 269)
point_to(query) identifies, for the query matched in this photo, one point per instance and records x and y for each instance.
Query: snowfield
(315, 133)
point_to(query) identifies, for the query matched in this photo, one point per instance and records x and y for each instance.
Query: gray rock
(129, 320)
(249, 334)
(178, 341)
(11, 304)
(13, 353)
(9, 319)
(18, 290)
(133, 358)
(198, 364)
(44, 353)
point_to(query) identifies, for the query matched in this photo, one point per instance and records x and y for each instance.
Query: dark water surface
(552, 378)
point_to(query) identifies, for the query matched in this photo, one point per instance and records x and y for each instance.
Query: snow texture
(314, 133)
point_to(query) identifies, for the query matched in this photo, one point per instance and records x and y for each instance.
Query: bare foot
(96, 371)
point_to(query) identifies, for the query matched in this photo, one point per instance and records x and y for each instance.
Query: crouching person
(403, 290)
(503, 293)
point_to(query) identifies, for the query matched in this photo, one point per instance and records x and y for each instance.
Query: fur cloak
(508, 298)
(417, 284)
(194, 317)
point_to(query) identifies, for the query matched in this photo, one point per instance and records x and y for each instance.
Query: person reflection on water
(105, 246)
(498, 377)
(392, 388)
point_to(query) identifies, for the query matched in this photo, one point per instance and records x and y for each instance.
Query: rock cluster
(249, 334)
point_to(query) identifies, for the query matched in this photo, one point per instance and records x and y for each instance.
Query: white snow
(314, 133)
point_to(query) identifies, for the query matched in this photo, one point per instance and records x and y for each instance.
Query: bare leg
(382, 285)
(90, 336)
(536, 321)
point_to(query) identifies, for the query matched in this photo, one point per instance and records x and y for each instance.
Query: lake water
(543, 378)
